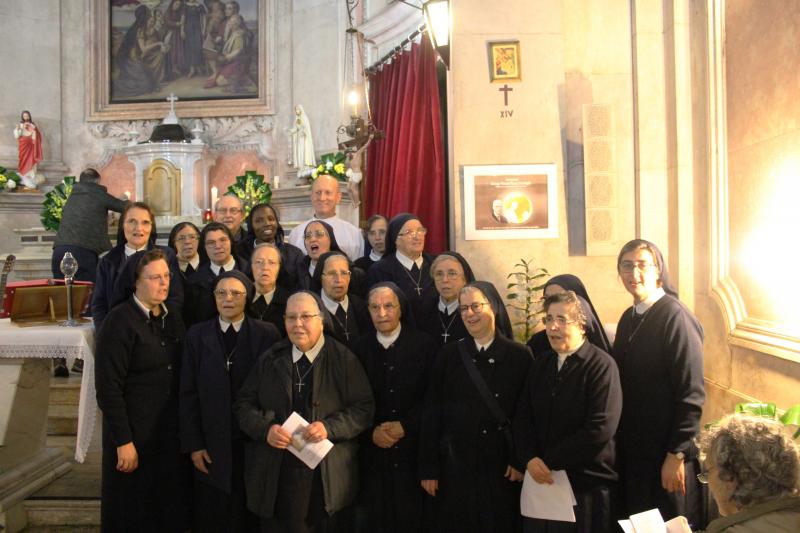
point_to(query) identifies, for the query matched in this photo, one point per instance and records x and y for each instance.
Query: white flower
(11, 184)
(329, 165)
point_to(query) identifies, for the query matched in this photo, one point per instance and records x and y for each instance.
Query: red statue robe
(30, 150)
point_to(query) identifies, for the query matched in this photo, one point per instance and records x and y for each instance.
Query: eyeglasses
(376, 232)
(263, 263)
(186, 238)
(560, 320)
(628, 266)
(449, 274)
(337, 274)
(304, 318)
(377, 307)
(413, 232)
(702, 477)
(222, 241)
(229, 211)
(476, 307)
(222, 293)
(159, 277)
(319, 234)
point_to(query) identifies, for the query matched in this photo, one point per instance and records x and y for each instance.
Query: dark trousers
(593, 514)
(87, 262)
(641, 485)
(216, 511)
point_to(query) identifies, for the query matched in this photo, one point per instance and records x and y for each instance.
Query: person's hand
(539, 471)
(431, 486)
(127, 458)
(277, 437)
(199, 459)
(394, 429)
(513, 474)
(381, 437)
(673, 475)
(316, 432)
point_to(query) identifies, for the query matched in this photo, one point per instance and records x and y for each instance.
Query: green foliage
(251, 189)
(332, 164)
(9, 180)
(525, 298)
(54, 203)
(791, 417)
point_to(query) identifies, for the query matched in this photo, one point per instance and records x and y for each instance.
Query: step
(65, 391)
(63, 515)
(62, 419)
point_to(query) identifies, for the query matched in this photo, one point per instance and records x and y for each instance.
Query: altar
(26, 464)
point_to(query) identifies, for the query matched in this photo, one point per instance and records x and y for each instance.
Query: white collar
(388, 340)
(563, 356)
(146, 311)
(656, 295)
(448, 308)
(407, 261)
(328, 219)
(130, 251)
(332, 305)
(311, 266)
(374, 255)
(194, 261)
(224, 324)
(484, 346)
(311, 354)
(268, 296)
(227, 267)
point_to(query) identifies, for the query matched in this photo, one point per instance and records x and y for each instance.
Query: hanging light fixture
(437, 19)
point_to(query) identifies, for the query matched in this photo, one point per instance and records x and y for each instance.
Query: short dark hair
(121, 230)
(374, 218)
(90, 175)
(177, 229)
(572, 300)
(148, 257)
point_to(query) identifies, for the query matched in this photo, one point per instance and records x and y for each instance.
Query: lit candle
(214, 197)
(276, 181)
(128, 195)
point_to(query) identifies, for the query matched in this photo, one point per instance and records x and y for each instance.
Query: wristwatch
(680, 455)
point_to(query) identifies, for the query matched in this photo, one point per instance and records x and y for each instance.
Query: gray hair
(228, 195)
(571, 299)
(266, 245)
(755, 455)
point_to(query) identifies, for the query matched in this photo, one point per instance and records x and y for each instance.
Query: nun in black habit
(440, 317)
(466, 456)
(217, 358)
(595, 333)
(397, 359)
(348, 311)
(145, 478)
(405, 262)
(318, 239)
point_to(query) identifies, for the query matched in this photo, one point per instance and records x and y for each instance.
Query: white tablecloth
(55, 341)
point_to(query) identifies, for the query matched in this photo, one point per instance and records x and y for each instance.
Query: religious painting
(504, 61)
(510, 202)
(216, 56)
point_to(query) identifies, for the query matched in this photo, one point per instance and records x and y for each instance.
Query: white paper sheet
(651, 522)
(626, 526)
(311, 453)
(548, 502)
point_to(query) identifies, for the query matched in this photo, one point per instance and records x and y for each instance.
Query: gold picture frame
(504, 61)
(100, 106)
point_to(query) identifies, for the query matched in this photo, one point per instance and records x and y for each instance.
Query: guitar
(8, 266)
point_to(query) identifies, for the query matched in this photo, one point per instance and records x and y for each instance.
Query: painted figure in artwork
(30, 149)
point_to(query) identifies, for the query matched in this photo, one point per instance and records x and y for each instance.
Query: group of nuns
(404, 361)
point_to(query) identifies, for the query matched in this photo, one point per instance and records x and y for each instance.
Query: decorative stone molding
(746, 331)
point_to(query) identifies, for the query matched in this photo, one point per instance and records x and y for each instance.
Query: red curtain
(405, 171)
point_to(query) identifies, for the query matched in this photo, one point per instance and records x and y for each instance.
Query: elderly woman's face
(384, 309)
(336, 278)
(303, 321)
(317, 240)
(186, 242)
(137, 227)
(231, 296)
(377, 236)
(218, 247)
(563, 330)
(411, 239)
(152, 285)
(266, 263)
(448, 276)
(720, 490)
(477, 314)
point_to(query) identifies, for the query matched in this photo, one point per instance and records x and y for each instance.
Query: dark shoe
(77, 366)
(60, 368)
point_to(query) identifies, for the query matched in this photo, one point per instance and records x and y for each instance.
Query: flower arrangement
(251, 189)
(332, 164)
(9, 180)
(527, 302)
(54, 203)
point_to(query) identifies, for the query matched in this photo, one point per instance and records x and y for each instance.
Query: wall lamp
(437, 18)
